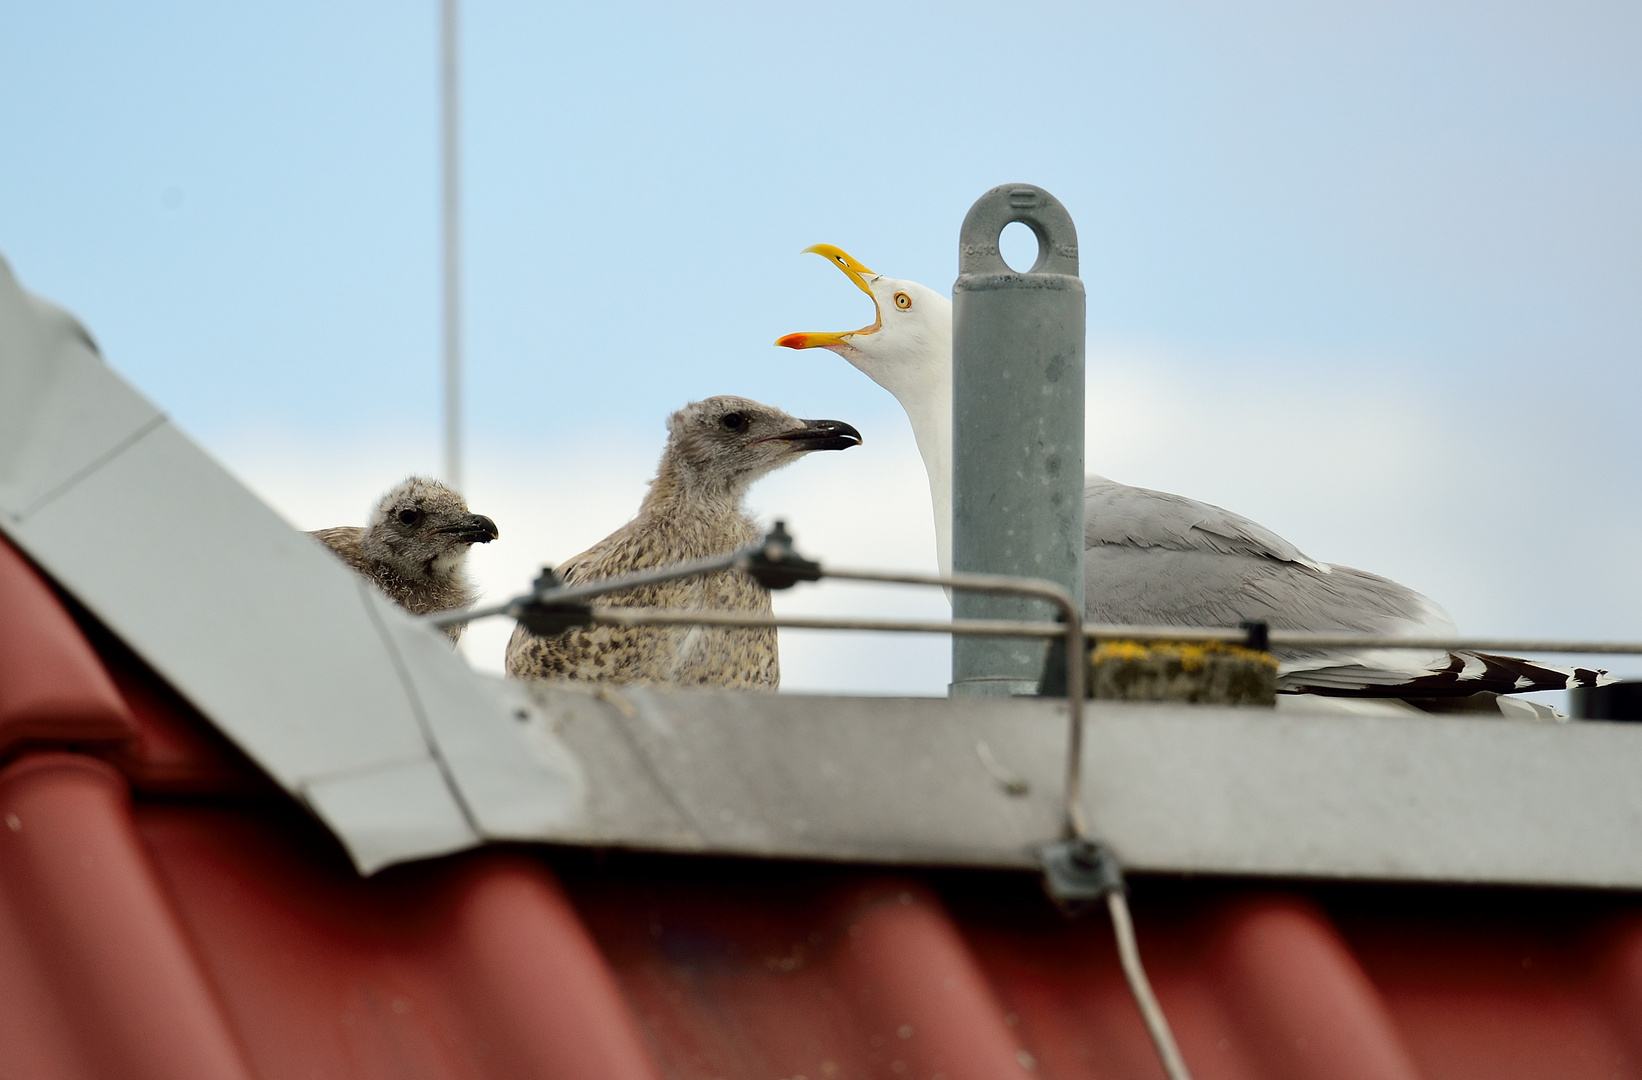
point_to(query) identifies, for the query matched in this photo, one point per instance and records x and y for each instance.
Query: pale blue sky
(1425, 211)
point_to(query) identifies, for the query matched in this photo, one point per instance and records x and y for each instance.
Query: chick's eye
(903, 301)
(733, 421)
(410, 517)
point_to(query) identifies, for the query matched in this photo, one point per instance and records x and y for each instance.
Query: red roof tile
(52, 686)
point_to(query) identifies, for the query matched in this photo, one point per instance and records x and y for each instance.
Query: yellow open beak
(849, 264)
(856, 272)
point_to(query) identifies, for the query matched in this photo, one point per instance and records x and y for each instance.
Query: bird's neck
(929, 409)
(434, 584)
(412, 568)
(919, 374)
(682, 493)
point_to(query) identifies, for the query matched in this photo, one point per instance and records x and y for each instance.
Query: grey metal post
(1017, 428)
(451, 236)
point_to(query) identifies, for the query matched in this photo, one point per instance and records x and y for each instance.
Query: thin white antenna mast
(451, 235)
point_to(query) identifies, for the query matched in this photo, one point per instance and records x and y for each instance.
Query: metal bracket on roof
(775, 564)
(545, 618)
(1078, 872)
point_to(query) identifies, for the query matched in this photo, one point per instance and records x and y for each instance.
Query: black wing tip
(1499, 675)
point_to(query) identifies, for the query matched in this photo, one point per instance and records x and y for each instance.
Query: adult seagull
(1152, 558)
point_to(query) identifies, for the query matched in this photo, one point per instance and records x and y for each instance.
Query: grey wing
(1120, 515)
(1156, 586)
(1159, 586)
(1152, 558)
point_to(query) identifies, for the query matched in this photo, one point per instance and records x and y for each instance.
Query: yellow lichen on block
(1207, 673)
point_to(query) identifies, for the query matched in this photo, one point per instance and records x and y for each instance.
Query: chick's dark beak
(821, 435)
(473, 529)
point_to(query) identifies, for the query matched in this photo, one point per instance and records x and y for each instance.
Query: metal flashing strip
(362, 711)
(58, 418)
(382, 813)
(1180, 789)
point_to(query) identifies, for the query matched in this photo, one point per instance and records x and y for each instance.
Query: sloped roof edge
(362, 712)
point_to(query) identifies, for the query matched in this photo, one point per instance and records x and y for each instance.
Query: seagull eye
(733, 421)
(903, 301)
(410, 517)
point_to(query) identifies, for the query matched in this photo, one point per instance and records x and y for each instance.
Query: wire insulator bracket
(1078, 872)
(545, 618)
(776, 564)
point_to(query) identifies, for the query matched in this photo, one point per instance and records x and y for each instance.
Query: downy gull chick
(415, 547)
(715, 450)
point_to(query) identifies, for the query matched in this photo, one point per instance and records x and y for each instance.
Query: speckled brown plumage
(415, 547)
(715, 449)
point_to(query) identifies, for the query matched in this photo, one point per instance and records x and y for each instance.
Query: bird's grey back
(1155, 558)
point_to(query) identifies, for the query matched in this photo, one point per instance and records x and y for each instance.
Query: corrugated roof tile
(52, 686)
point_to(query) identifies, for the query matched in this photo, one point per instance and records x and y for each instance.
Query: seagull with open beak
(1155, 558)
(906, 349)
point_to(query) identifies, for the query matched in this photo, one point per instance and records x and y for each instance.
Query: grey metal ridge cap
(391, 813)
(368, 716)
(1179, 789)
(57, 418)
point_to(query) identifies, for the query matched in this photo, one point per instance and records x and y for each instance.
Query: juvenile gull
(715, 450)
(415, 546)
(1158, 559)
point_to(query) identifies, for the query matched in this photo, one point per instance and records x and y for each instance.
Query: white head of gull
(906, 349)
